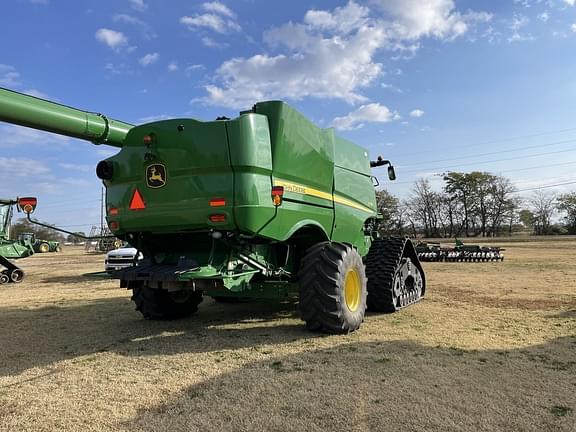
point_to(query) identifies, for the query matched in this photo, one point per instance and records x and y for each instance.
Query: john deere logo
(156, 176)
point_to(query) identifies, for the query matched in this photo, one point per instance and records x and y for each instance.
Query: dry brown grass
(492, 348)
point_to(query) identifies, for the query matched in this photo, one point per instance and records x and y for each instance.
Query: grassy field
(491, 348)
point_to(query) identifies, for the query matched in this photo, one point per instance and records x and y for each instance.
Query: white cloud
(212, 22)
(76, 167)
(149, 59)
(518, 23)
(153, 118)
(173, 66)
(144, 27)
(16, 136)
(22, 167)
(37, 93)
(332, 53)
(128, 19)
(9, 76)
(373, 113)
(413, 19)
(570, 2)
(573, 28)
(343, 20)
(544, 16)
(114, 39)
(211, 43)
(416, 113)
(219, 8)
(138, 5)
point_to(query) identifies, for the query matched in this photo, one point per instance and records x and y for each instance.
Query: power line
(546, 186)
(496, 141)
(496, 152)
(494, 160)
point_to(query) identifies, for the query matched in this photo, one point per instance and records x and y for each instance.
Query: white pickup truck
(121, 258)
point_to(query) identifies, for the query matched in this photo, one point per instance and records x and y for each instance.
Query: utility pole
(102, 212)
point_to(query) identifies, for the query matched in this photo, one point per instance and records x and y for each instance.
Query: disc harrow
(429, 251)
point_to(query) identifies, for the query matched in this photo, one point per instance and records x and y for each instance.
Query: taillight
(277, 194)
(27, 204)
(216, 218)
(217, 202)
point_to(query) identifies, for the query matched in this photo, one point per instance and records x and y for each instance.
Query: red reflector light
(113, 225)
(148, 139)
(217, 202)
(278, 190)
(137, 202)
(112, 211)
(277, 193)
(27, 204)
(217, 217)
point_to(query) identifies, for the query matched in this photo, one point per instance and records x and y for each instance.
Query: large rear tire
(332, 288)
(159, 304)
(44, 248)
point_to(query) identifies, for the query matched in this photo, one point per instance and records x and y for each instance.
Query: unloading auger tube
(36, 113)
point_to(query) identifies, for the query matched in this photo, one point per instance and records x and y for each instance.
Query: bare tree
(543, 205)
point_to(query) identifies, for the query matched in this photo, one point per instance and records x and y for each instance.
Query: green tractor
(40, 246)
(12, 249)
(265, 205)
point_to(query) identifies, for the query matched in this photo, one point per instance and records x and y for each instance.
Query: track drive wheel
(159, 304)
(395, 277)
(44, 247)
(332, 288)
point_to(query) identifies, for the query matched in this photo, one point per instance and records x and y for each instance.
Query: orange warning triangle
(137, 203)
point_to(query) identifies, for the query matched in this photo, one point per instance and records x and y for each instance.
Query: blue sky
(433, 85)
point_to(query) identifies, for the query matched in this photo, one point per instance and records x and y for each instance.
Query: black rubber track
(321, 276)
(382, 263)
(158, 304)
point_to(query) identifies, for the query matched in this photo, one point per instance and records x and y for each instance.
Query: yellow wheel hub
(352, 290)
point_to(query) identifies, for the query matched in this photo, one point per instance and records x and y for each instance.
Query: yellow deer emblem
(156, 176)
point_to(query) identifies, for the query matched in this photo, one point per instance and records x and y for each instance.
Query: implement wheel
(332, 288)
(159, 304)
(17, 275)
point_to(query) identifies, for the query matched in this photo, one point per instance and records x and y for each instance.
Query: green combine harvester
(11, 249)
(265, 205)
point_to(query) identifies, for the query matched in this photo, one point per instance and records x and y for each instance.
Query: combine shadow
(75, 279)
(393, 385)
(564, 314)
(40, 337)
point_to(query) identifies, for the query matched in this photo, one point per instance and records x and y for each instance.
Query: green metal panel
(354, 203)
(197, 164)
(24, 110)
(251, 158)
(299, 148)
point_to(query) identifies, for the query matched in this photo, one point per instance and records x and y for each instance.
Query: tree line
(475, 204)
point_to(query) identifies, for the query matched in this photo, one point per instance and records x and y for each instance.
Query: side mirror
(27, 204)
(391, 173)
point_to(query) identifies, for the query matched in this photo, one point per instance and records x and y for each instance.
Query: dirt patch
(491, 348)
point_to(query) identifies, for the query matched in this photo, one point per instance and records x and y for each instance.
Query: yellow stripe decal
(305, 190)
